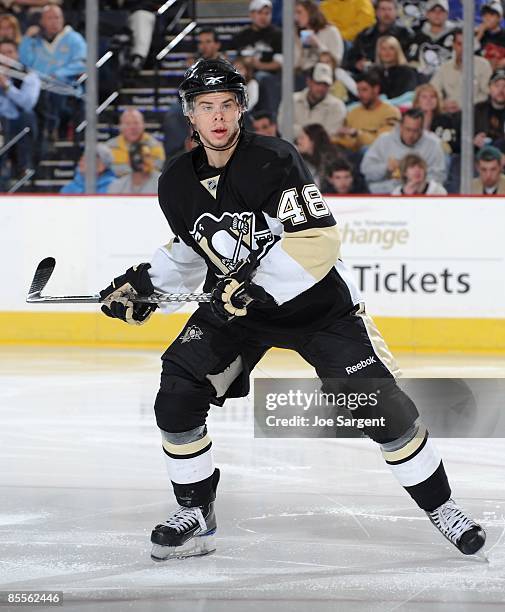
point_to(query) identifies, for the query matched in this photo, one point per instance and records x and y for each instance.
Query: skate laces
(451, 520)
(186, 518)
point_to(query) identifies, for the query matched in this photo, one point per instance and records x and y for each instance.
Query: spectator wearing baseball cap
(431, 4)
(490, 31)
(489, 115)
(260, 44)
(432, 44)
(489, 164)
(258, 5)
(104, 177)
(316, 105)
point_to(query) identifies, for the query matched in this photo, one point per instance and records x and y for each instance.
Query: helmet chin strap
(221, 148)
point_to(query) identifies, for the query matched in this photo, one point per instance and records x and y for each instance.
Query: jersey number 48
(290, 208)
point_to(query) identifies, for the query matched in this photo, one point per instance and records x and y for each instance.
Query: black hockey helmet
(206, 76)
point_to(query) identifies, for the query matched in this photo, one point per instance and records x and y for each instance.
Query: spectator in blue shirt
(58, 51)
(18, 98)
(104, 174)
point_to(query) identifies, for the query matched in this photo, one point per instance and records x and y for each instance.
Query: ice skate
(188, 532)
(461, 530)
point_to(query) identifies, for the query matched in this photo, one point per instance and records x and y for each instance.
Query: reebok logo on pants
(360, 365)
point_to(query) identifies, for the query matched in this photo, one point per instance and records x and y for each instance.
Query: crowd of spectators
(377, 102)
(40, 58)
(378, 97)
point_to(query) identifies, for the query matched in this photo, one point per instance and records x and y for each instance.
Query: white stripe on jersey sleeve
(281, 276)
(176, 268)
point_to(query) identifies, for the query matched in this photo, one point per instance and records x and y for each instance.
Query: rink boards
(431, 270)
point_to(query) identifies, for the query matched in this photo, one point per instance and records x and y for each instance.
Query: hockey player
(249, 222)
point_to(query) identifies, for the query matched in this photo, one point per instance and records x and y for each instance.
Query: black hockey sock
(197, 493)
(432, 492)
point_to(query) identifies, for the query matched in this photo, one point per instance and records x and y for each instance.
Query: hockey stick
(45, 270)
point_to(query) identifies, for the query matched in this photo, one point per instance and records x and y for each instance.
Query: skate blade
(195, 547)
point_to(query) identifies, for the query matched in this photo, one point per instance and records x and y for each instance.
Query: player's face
(216, 118)
(437, 16)
(411, 130)
(341, 181)
(497, 92)
(489, 172)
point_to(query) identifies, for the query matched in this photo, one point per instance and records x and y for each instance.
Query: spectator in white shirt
(315, 35)
(316, 105)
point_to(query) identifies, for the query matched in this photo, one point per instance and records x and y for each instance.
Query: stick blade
(41, 277)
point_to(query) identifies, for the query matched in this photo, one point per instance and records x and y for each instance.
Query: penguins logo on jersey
(432, 56)
(192, 333)
(230, 238)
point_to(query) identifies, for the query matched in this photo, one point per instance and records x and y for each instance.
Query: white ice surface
(304, 525)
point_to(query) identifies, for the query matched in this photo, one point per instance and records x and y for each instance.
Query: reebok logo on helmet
(213, 80)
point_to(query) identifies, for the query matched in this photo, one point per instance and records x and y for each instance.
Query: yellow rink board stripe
(87, 328)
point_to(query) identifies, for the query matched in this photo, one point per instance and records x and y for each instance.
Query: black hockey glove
(117, 296)
(234, 293)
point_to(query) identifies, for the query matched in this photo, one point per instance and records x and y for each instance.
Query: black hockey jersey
(264, 200)
(429, 51)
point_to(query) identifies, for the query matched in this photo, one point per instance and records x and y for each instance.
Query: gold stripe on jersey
(316, 249)
(186, 449)
(404, 453)
(379, 345)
